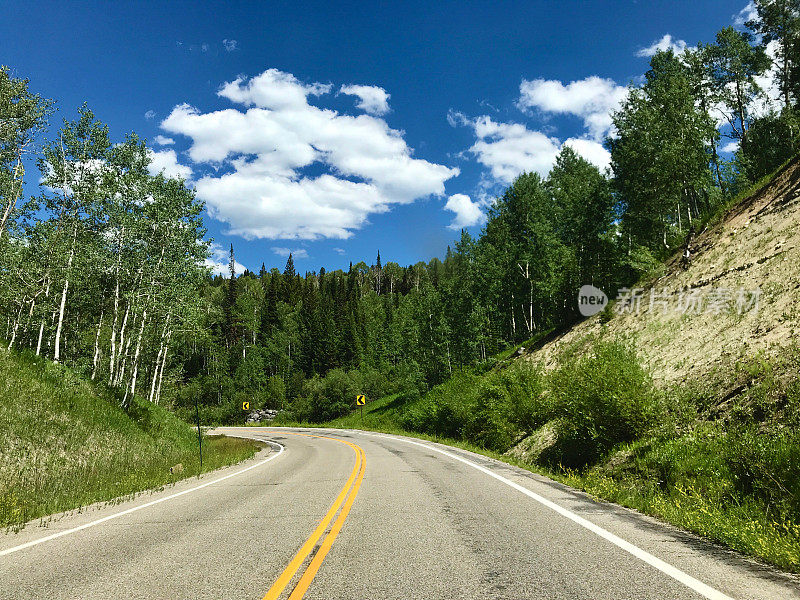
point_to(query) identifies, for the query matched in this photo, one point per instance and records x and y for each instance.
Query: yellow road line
(312, 569)
(288, 573)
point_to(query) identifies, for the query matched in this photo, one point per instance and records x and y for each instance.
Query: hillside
(65, 443)
(755, 246)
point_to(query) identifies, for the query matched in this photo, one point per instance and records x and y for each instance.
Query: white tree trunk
(16, 326)
(163, 366)
(19, 172)
(96, 359)
(151, 397)
(59, 327)
(41, 325)
(115, 376)
(135, 372)
(112, 355)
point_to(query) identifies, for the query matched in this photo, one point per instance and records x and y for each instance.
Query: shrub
(602, 398)
(765, 465)
(507, 404)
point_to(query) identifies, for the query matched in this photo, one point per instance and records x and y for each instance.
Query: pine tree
(289, 282)
(230, 302)
(378, 273)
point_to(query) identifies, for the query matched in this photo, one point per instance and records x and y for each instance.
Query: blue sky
(339, 129)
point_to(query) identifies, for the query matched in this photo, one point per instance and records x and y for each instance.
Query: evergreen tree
(289, 282)
(231, 333)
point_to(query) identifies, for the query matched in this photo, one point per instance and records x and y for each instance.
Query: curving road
(354, 515)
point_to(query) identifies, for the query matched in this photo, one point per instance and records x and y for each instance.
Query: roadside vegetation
(65, 443)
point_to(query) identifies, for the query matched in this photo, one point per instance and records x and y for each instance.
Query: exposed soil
(755, 248)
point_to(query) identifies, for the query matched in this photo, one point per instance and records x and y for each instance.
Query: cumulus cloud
(593, 99)
(230, 45)
(667, 42)
(285, 252)
(166, 162)
(730, 147)
(262, 151)
(467, 212)
(748, 13)
(150, 114)
(219, 261)
(371, 99)
(509, 149)
(163, 140)
(592, 151)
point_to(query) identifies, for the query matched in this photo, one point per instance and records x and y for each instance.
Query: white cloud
(372, 99)
(339, 251)
(150, 114)
(367, 165)
(467, 212)
(667, 42)
(219, 261)
(296, 253)
(769, 83)
(592, 151)
(748, 13)
(593, 99)
(730, 147)
(509, 149)
(230, 45)
(163, 140)
(166, 161)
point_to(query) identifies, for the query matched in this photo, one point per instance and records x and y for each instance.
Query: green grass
(65, 443)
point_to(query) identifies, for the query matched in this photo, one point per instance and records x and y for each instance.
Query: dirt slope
(754, 249)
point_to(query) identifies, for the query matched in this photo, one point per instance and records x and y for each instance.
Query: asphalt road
(356, 515)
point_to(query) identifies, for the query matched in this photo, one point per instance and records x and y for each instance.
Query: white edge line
(684, 578)
(140, 507)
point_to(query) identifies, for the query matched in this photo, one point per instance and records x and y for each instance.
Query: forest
(104, 268)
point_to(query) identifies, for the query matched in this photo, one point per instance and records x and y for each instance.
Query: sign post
(361, 400)
(245, 410)
(199, 435)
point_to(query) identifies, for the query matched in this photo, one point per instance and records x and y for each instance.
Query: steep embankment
(754, 249)
(65, 443)
(720, 457)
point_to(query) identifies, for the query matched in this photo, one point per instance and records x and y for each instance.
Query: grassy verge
(65, 443)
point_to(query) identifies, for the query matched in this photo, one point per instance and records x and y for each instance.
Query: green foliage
(602, 398)
(765, 465)
(772, 140)
(659, 157)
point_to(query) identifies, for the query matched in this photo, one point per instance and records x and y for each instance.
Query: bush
(275, 393)
(507, 404)
(765, 465)
(602, 398)
(326, 398)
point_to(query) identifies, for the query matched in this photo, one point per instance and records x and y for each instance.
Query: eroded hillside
(740, 295)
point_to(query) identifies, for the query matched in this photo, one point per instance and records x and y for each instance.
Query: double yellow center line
(346, 497)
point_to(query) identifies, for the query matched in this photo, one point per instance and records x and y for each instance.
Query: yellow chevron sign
(361, 400)
(245, 406)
